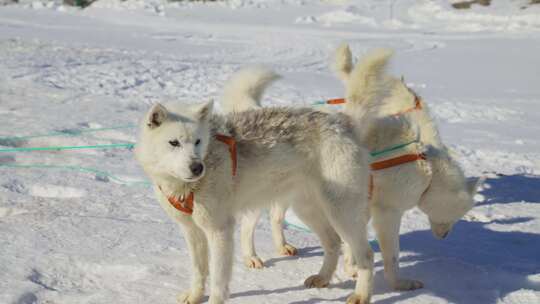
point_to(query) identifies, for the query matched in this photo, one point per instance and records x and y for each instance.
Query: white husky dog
(433, 182)
(202, 183)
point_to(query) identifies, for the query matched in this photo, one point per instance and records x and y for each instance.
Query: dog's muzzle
(196, 169)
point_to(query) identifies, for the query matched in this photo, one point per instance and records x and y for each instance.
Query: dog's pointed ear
(343, 62)
(205, 111)
(474, 184)
(156, 116)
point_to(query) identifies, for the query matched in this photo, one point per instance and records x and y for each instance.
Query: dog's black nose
(196, 168)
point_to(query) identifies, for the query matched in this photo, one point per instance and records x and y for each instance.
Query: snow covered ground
(82, 226)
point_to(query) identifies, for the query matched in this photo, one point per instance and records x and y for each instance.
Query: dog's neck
(172, 186)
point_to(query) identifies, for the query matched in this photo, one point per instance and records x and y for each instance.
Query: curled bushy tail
(365, 86)
(245, 88)
(366, 82)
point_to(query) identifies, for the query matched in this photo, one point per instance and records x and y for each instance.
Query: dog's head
(174, 139)
(447, 200)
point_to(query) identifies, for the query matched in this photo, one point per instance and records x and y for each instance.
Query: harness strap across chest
(231, 142)
(185, 203)
(182, 203)
(398, 160)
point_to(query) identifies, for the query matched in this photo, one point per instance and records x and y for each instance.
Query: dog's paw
(253, 262)
(316, 281)
(357, 299)
(216, 300)
(404, 285)
(187, 297)
(288, 250)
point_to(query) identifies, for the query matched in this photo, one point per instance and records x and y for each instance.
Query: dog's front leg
(220, 241)
(386, 223)
(198, 249)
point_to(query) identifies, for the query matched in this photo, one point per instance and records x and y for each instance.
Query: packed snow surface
(82, 226)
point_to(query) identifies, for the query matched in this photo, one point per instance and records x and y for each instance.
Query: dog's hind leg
(353, 231)
(277, 216)
(198, 248)
(344, 192)
(330, 241)
(247, 231)
(386, 222)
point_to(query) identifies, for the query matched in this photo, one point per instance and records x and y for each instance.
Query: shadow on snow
(473, 265)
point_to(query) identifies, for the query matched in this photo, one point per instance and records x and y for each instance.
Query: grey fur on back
(263, 130)
(282, 124)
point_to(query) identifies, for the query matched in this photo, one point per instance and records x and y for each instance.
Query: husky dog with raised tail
(387, 114)
(207, 169)
(411, 166)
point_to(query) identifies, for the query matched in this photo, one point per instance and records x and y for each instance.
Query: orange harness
(399, 160)
(335, 101)
(182, 203)
(231, 142)
(396, 161)
(417, 106)
(185, 204)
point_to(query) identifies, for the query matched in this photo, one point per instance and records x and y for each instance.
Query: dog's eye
(174, 143)
(197, 142)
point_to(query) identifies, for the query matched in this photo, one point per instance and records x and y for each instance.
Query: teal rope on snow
(59, 148)
(67, 132)
(79, 169)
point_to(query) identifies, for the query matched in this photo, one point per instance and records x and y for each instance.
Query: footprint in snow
(16, 186)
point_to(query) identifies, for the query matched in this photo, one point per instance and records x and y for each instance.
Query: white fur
(437, 186)
(244, 89)
(243, 92)
(170, 161)
(343, 63)
(311, 157)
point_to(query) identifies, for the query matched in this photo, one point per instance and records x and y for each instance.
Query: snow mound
(454, 112)
(154, 6)
(350, 14)
(499, 16)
